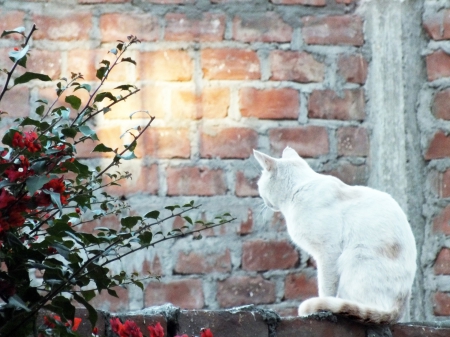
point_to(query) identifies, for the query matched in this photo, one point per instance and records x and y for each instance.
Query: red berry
(78, 210)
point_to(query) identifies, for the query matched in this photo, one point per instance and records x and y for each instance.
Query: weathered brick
(196, 263)
(442, 263)
(241, 290)
(349, 173)
(10, 20)
(186, 294)
(438, 65)
(172, 2)
(279, 103)
(353, 68)
(115, 26)
(210, 103)
(441, 223)
(441, 108)
(246, 186)
(266, 27)
(333, 30)
(45, 62)
(352, 141)
(87, 61)
(315, 327)
(195, 181)
(439, 146)
(108, 135)
(229, 1)
(246, 226)
(295, 66)
(437, 25)
(144, 180)
(347, 2)
(230, 64)
(64, 27)
(328, 104)
(300, 287)
(106, 302)
(227, 142)
(285, 311)
(308, 141)
(319, 3)
(50, 95)
(165, 143)
(180, 27)
(441, 305)
(166, 65)
(16, 102)
(419, 329)
(259, 255)
(440, 183)
(101, 1)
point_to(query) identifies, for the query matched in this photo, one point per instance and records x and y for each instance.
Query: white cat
(359, 237)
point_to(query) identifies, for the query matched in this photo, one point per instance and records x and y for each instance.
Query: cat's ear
(289, 152)
(268, 163)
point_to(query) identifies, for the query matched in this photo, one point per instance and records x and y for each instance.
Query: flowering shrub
(130, 329)
(47, 193)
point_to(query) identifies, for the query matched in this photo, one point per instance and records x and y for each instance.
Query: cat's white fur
(359, 237)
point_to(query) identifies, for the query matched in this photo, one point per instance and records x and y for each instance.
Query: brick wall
(223, 77)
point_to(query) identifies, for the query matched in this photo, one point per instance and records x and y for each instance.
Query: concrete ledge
(249, 321)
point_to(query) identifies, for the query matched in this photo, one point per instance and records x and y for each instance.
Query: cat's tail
(350, 309)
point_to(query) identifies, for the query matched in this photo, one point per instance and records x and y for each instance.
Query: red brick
(295, 66)
(210, 103)
(68, 27)
(349, 173)
(284, 311)
(353, 141)
(300, 287)
(16, 101)
(266, 27)
(50, 95)
(180, 27)
(116, 26)
(353, 68)
(145, 181)
(347, 2)
(441, 304)
(186, 294)
(101, 1)
(440, 182)
(308, 141)
(109, 136)
(171, 2)
(227, 143)
(10, 20)
(166, 65)
(262, 255)
(441, 223)
(279, 103)
(442, 263)
(165, 143)
(319, 3)
(246, 186)
(246, 226)
(437, 25)
(438, 65)
(153, 267)
(228, 1)
(441, 108)
(45, 62)
(327, 104)
(230, 64)
(104, 301)
(334, 30)
(195, 263)
(195, 181)
(87, 62)
(439, 146)
(241, 290)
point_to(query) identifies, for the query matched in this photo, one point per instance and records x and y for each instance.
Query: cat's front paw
(306, 308)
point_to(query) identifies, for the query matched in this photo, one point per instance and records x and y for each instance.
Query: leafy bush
(47, 193)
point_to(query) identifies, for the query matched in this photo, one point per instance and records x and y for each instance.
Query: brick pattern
(222, 77)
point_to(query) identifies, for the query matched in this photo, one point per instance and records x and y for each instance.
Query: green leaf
(35, 183)
(152, 215)
(40, 110)
(16, 55)
(112, 292)
(74, 101)
(30, 121)
(128, 59)
(69, 132)
(86, 87)
(63, 306)
(28, 76)
(102, 148)
(129, 156)
(56, 198)
(42, 100)
(18, 30)
(188, 219)
(87, 131)
(126, 87)
(113, 51)
(8, 137)
(130, 221)
(146, 238)
(101, 72)
(101, 96)
(16, 301)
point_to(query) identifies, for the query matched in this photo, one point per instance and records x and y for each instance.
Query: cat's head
(278, 175)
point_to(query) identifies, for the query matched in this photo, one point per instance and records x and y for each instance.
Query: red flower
(5, 198)
(17, 140)
(206, 333)
(57, 186)
(116, 325)
(19, 171)
(52, 250)
(42, 199)
(95, 331)
(76, 323)
(156, 330)
(31, 142)
(130, 329)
